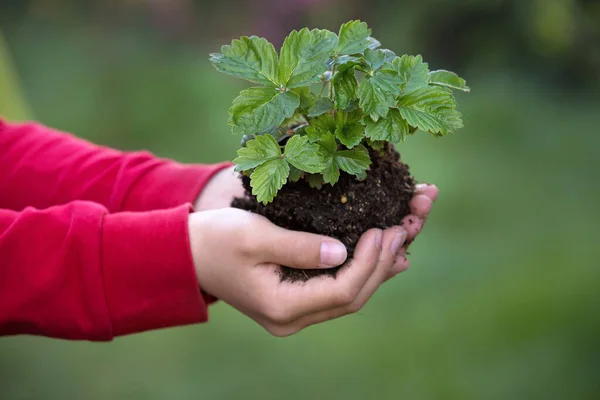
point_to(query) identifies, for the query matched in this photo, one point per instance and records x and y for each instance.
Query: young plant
(324, 100)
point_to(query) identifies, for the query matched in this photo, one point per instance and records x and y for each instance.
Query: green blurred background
(502, 299)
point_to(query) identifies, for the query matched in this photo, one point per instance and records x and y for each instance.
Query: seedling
(317, 152)
(325, 100)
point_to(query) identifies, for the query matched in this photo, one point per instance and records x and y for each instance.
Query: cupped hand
(237, 256)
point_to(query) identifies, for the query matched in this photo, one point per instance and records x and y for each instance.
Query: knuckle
(355, 307)
(246, 245)
(345, 296)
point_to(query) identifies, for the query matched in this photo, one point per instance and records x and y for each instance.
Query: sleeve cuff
(148, 271)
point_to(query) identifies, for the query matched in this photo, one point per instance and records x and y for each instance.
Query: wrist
(220, 190)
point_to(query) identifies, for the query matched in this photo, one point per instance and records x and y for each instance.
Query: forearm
(77, 272)
(41, 167)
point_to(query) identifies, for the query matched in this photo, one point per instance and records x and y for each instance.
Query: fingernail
(333, 253)
(378, 238)
(398, 241)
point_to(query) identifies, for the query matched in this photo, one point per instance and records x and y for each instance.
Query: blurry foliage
(12, 104)
(502, 299)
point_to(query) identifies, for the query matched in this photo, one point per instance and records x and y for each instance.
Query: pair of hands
(237, 253)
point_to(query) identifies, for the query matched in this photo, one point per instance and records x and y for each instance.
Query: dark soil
(344, 211)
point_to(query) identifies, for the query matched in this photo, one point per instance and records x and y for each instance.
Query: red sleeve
(77, 272)
(93, 241)
(41, 167)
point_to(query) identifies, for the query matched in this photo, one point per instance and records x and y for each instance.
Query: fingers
(401, 264)
(413, 225)
(326, 293)
(383, 258)
(428, 190)
(420, 205)
(297, 249)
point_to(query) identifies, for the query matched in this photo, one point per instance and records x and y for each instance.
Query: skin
(237, 253)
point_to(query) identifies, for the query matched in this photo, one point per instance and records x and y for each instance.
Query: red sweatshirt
(93, 242)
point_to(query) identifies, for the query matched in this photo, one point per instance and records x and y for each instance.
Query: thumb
(301, 249)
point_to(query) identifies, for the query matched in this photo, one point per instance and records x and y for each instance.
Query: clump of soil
(343, 211)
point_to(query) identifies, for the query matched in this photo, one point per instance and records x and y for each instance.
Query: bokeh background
(502, 300)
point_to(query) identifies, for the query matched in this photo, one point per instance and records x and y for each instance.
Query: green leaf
(374, 43)
(320, 125)
(315, 181)
(258, 109)
(307, 99)
(268, 178)
(393, 128)
(448, 79)
(331, 172)
(304, 56)
(251, 58)
(350, 134)
(389, 55)
(377, 93)
(431, 109)
(353, 161)
(342, 63)
(328, 144)
(303, 154)
(321, 106)
(374, 59)
(257, 151)
(353, 38)
(413, 72)
(344, 88)
(295, 174)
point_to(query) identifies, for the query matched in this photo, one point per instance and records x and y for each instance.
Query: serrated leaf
(304, 56)
(350, 134)
(258, 109)
(353, 161)
(331, 172)
(342, 63)
(344, 88)
(377, 93)
(303, 154)
(315, 181)
(268, 178)
(448, 79)
(353, 38)
(295, 174)
(393, 128)
(374, 59)
(430, 109)
(377, 144)
(413, 72)
(374, 43)
(307, 99)
(328, 144)
(320, 125)
(321, 106)
(251, 58)
(257, 151)
(389, 55)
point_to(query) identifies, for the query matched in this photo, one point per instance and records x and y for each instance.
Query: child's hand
(237, 255)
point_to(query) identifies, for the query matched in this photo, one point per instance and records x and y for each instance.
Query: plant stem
(331, 84)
